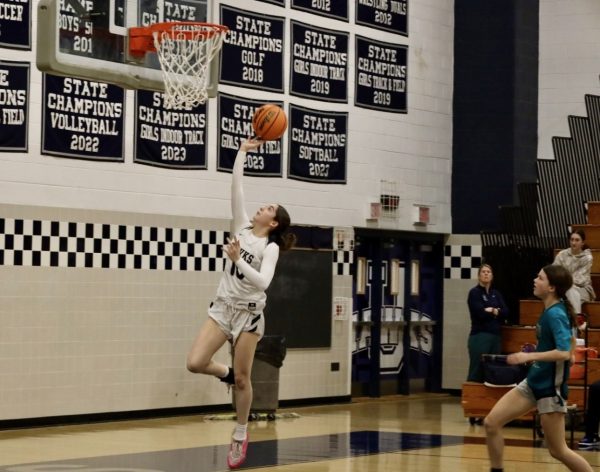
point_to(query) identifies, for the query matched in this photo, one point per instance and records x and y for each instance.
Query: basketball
(269, 122)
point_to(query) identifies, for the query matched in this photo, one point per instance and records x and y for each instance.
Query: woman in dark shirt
(488, 310)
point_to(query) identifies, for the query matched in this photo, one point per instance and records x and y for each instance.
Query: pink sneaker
(237, 453)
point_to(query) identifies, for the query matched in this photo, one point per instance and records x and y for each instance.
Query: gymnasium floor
(421, 432)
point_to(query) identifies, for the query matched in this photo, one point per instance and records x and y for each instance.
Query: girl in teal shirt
(545, 387)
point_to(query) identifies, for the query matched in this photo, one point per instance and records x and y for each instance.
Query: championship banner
(235, 125)
(173, 11)
(15, 24)
(14, 94)
(319, 60)
(184, 10)
(336, 9)
(317, 145)
(82, 119)
(386, 15)
(166, 137)
(83, 33)
(281, 3)
(380, 75)
(252, 52)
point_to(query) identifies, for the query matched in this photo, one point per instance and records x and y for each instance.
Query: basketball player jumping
(236, 314)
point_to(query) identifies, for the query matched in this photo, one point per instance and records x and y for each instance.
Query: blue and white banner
(381, 75)
(235, 124)
(281, 3)
(83, 30)
(386, 15)
(337, 9)
(82, 119)
(14, 97)
(317, 145)
(319, 59)
(166, 137)
(157, 11)
(184, 10)
(15, 24)
(252, 52)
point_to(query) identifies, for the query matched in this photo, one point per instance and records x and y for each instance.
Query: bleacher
(478, 399)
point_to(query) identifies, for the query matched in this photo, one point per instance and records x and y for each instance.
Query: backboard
(89, 38)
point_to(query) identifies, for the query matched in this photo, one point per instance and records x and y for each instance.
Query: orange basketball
(269, 122)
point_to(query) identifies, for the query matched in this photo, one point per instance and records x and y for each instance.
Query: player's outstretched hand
(232, 249)
(251, 144)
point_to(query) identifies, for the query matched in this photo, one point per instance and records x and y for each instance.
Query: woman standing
(487, 310)
(546, 384)
(578, 259)
(236, 314)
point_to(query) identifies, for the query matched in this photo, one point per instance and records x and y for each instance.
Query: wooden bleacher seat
(594, 338)
(593, 213)
(593, 372)
(478, 399)
(596, 261)
(593, 312)
(513, 337)
(596, 283)
(530, 311)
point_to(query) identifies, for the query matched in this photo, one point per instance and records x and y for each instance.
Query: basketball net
(185, 51)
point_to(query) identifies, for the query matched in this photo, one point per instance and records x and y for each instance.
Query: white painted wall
(457, 320)
(569, 65)
(413, 149)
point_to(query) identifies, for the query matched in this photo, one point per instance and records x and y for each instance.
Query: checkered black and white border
(42, 243)
(461, 262)
(342, 262)
(108, 246)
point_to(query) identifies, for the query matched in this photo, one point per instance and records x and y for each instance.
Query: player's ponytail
(281, 234)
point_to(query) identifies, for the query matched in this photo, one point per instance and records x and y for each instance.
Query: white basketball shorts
(235, 318)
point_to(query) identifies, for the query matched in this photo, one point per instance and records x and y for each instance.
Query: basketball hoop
(184, 50)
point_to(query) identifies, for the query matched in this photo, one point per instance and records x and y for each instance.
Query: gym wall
(93, 323)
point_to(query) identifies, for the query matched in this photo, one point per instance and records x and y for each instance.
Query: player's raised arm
(238, 212)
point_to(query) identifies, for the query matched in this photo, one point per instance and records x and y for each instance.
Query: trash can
(268, 358)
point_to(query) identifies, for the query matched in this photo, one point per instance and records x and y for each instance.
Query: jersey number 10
(234, 271)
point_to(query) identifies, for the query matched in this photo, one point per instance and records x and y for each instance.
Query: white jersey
(245, 281)
(234, 285)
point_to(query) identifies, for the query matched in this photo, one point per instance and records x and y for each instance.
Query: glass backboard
(89, 38)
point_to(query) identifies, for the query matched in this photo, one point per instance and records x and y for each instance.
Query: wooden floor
(416, 433)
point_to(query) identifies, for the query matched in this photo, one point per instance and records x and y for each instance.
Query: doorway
(397, 312)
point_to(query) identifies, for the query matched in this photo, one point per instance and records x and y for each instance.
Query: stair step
(513, 338)
(593, 312)
(594, 338)
(593, 216)
(593, 373)
(477, 399)
(530, 311)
